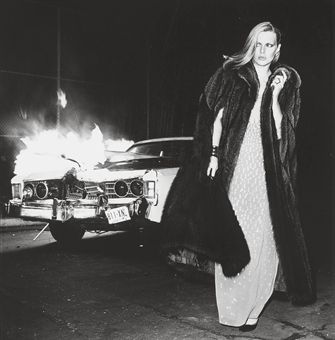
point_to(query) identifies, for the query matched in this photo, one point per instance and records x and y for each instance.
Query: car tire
(67, 233)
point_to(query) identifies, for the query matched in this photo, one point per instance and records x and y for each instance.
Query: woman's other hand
(212, 167)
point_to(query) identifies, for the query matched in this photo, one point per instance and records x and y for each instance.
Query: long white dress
(241, 299)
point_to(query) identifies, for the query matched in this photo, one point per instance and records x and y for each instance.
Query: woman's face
(265, 49)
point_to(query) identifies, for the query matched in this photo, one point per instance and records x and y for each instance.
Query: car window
(147, 149)
(166, 148)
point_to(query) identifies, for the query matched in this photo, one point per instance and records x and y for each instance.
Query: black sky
(108, 49)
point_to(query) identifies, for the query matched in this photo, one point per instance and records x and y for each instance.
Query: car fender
(164, 181)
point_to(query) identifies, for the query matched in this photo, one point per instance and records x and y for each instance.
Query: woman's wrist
(275, 98)
(215, 151)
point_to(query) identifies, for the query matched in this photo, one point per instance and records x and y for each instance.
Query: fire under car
(126, 192)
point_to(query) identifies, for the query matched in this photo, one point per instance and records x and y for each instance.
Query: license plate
(117, 215)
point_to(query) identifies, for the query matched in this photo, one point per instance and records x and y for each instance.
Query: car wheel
(67, 233)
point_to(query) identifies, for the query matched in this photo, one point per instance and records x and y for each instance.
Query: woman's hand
(278, 83)
(212, 167)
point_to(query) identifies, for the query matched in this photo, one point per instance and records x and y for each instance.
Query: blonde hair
(247, 52)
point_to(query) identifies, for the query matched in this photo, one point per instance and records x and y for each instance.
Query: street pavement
(110, 288)
(17, 224)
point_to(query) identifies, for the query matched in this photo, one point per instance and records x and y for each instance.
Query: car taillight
(149, 185)
(149, 189)
(16, 190)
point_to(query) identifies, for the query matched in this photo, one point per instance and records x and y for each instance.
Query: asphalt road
(111, 288)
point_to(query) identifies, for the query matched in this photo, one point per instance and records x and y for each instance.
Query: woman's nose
(262, 49)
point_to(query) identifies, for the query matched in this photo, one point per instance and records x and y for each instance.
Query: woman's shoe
(248, 328)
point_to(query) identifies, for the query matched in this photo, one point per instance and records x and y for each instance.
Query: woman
(245, 142)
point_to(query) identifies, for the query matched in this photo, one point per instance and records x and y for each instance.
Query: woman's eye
(269, 45)
(258, 44)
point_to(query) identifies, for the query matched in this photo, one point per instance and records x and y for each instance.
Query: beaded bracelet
(215, 151)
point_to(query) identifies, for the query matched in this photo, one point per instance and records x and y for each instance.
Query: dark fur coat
(198, 215)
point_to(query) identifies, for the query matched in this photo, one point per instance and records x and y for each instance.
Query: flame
(50, 150)
(61, 98)
(118, 144)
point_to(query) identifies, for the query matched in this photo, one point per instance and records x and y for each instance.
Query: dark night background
(125, 61)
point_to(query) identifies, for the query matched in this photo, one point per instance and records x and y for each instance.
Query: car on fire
(126, 192)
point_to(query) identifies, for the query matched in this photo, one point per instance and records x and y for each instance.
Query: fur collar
(248, 73)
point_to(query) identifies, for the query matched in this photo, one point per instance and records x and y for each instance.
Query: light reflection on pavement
(24, 239)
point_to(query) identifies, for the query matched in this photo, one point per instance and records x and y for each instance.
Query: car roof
(164, 139)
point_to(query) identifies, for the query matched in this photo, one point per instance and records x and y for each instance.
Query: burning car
(125, 192)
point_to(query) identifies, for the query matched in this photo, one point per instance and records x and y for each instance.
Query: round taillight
(28, 191)
(136, 187)
(121, 188)
(41, 190)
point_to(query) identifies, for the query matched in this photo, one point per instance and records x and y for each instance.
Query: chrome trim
(163, 139)
(36, 212)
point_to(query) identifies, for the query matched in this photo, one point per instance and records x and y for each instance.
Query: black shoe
(248, 328)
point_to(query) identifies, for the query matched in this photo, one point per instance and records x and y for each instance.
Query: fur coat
(198, 214)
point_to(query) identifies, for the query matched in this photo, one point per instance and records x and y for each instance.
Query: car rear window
(164, 149)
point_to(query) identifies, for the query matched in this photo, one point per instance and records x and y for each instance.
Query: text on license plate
(117, 215)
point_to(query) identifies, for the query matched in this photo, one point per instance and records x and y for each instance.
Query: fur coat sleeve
(211, 101)
(280, 162)
(290, 102)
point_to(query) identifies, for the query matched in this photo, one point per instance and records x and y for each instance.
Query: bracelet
(215, 151)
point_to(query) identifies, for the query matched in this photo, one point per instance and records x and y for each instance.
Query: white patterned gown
(241, 299)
